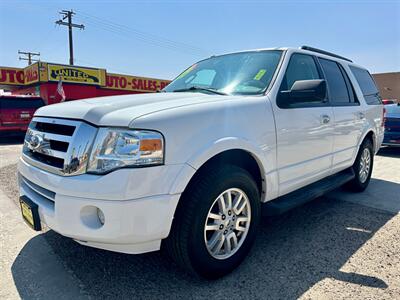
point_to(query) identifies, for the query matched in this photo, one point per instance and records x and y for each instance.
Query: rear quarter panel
(373, 114)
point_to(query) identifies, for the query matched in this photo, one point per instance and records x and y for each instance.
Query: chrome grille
(59, 146)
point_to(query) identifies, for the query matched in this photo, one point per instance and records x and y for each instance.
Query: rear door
(349, 117)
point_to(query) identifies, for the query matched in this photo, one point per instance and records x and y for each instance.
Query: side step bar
(306, 194)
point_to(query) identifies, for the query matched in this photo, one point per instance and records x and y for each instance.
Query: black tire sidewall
(206, 265)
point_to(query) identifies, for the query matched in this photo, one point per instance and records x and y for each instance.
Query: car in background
(389, 101)
(392, 125)
(16, 112)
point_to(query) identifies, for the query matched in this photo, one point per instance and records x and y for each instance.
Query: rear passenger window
(367, 85)
(339, 91)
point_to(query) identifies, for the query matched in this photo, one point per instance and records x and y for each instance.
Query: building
(42, 79)
(388, 84)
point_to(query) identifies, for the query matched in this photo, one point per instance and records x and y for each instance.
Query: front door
(304, 133)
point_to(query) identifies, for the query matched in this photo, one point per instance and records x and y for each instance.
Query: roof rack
(324, 52)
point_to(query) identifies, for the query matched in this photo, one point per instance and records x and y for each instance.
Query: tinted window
(338, 92)
(301, 67)
(12, 103)
(367, 85)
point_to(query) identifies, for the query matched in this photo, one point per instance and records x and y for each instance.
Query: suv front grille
(58, 145)
(61, 129)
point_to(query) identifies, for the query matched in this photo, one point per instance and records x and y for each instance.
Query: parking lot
(340, 246)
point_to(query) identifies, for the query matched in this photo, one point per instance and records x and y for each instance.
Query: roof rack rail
(324, 52)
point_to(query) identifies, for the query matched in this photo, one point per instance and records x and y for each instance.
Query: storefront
(45, 79)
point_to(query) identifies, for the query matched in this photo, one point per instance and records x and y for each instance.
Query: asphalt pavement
(340, 246)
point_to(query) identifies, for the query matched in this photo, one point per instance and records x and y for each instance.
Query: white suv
(191, 168)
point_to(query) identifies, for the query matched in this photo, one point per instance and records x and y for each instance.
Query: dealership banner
(134, 83)
(31, 73)
(74, 74)
(11, 76)
(41, 72)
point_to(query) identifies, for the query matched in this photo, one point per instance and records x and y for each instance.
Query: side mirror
(305, 91)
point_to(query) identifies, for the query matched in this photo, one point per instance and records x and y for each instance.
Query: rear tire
(362, 167)
(210, 235)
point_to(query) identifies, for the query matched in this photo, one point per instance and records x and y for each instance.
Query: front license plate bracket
(30, 213)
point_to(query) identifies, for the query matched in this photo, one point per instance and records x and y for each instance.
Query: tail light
(383, 117)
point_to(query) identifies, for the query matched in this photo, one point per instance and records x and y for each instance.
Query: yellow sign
(75, 74)
(43, 77)
(133, 83)
(11, 76)
(31, 73)
(260, 74)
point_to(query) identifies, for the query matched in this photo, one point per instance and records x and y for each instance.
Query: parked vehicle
(16, 112)
(389, 101)
(392, 125)
(191, 169)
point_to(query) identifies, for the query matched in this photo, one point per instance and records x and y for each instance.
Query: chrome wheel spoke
(214, 227)
(217, 243)
(214, 216)
(239, 205)
(228, 200)
(227, 245)
(221, 203)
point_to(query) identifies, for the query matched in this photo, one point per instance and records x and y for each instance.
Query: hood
(122, 110)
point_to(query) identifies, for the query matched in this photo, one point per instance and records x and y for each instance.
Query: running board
(306, 194)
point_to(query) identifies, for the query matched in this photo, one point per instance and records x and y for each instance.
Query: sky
(161, 38)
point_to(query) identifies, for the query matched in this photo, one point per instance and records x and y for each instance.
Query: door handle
(361, 115)
(325, 119)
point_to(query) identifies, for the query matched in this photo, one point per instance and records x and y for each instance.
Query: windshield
(245, 73)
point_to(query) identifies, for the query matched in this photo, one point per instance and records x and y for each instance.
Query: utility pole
(28, 56)
(67, 14)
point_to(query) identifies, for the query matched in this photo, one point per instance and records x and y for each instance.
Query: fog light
(100, 215)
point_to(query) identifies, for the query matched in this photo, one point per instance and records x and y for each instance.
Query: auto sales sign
(74, 74)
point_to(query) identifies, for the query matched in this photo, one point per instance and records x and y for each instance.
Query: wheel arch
(370, 134)
(226, 151)
(237, 157)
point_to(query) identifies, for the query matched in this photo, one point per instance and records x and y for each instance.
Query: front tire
(216, 222)
(362, 167)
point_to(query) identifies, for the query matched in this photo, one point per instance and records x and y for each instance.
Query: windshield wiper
(198, 88)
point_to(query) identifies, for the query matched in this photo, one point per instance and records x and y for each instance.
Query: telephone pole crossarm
(67, 15)
(28, 56)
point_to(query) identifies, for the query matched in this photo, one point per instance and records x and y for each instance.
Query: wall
(388, 84)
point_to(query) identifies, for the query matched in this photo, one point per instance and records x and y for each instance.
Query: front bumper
(136, 203)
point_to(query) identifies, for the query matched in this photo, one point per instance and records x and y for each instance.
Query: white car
(190, 169)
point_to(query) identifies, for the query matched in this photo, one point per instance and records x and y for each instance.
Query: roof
(299, 49)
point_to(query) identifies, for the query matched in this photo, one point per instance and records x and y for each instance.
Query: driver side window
(301, 67)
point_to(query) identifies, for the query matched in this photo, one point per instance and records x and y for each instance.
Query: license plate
(30, 213)
(25, 116)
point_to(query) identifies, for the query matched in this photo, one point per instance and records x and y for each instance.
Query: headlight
(118, 148)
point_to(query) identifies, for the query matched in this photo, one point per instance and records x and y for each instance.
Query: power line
(28, 56)
(129, 32)
(67, 14)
